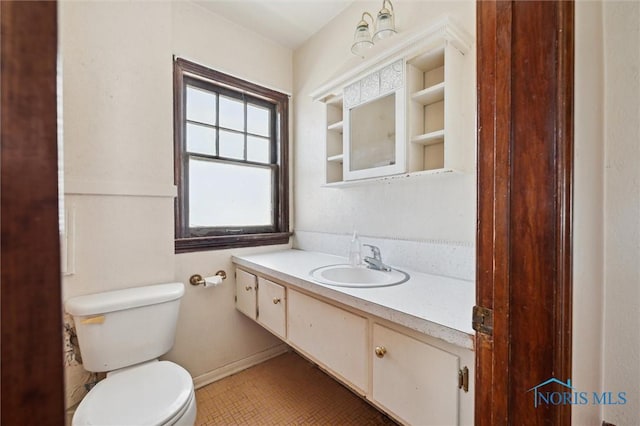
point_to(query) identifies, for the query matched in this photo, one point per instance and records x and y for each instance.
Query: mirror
(374, 137)
(374, 124)
(373, 134)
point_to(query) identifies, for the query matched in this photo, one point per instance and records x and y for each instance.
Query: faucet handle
(375, 250)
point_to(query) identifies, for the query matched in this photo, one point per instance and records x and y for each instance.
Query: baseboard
(243, 364)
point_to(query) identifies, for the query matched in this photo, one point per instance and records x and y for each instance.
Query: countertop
(434, 305)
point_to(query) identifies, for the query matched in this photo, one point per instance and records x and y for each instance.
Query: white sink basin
(362, 277)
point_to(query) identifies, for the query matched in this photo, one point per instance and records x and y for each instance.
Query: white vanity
(406, 348)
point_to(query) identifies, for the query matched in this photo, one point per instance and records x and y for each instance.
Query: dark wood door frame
(525, 168)
(31, 369)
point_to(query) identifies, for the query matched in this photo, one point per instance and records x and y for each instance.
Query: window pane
(229, 195)
(258, 149)
(201, 139)
(201, 105)
(231, 113)
(258, 120)
(232, 145)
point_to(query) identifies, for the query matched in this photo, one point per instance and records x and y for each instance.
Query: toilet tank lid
(118, 300)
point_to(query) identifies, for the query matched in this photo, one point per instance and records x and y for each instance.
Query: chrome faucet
(375, 262)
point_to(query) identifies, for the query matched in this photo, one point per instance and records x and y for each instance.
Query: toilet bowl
(154, 393)
(123, 332)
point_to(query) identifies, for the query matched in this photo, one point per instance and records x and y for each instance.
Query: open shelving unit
(437, 110)
(428, 87)
(334, 139)
(437, 116)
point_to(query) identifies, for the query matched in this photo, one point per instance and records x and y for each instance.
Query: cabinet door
(415, 381)
(246, 293)
(332, 336)
(272, 307)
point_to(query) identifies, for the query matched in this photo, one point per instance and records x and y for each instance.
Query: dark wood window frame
(197, 239)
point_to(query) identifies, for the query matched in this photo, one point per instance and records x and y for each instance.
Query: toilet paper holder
(197, 279)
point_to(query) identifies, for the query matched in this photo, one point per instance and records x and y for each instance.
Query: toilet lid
(150, 394)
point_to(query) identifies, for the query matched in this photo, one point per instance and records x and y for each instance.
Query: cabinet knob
(248, 288)
(380, 351)
(276, 300)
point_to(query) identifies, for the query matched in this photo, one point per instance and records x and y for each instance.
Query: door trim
(32, 384)
(525, 172)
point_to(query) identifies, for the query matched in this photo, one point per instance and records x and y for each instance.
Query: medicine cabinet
(374, 133)
(406, 112)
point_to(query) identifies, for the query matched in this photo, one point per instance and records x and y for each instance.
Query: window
(231, 164)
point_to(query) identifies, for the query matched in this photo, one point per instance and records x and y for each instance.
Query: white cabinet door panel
(414, 380)
(272, 306)
(333, 336)
(246, 293)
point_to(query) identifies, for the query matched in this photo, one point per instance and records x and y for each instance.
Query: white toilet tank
(125, 327)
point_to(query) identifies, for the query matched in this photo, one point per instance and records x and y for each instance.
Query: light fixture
(384, 27)
(362, 37)
(384, 22)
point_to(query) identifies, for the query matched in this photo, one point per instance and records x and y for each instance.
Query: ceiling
(287, 22)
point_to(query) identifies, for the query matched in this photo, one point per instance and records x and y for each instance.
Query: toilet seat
(154, 393)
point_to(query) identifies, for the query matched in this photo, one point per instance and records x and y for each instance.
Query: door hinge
(463, 379)
(482, 320)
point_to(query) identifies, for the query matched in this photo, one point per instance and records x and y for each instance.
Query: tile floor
(286, 390)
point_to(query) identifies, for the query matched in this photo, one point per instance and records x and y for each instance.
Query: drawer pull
(248, 288)
(276, 300)
(380, 351)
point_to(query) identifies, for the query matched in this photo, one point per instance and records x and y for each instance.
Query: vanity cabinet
(414, 380)
(334, 337)
(408, 111)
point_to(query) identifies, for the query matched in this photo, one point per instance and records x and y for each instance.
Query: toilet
(123, 332)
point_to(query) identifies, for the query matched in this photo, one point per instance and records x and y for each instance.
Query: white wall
(588, 211)
(118, 150)
(606, 332)
(622, 208)
(211, 333)
(442, 208)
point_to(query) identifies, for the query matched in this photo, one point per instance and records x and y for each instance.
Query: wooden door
(525, 154)
(32, 385)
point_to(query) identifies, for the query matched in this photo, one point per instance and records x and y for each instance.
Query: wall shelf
(336, 127)
(431, 138)
(405, 177)
(430, 95)
(336, 158)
